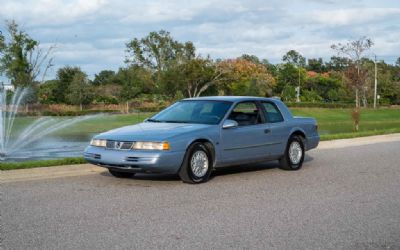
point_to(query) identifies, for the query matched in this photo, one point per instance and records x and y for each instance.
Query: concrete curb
(48, 172)
(87, 169)
(342, 143)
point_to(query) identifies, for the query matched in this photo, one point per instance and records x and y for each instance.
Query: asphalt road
(343, 198)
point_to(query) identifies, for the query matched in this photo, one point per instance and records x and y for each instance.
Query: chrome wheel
(199, 164)
(295, 152)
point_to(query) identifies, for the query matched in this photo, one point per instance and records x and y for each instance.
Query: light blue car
(196, 135)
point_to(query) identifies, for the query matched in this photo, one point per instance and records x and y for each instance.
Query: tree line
(158, 67)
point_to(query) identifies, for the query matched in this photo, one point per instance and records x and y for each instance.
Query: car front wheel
(119, 174)
(197, 165)
(294, 154)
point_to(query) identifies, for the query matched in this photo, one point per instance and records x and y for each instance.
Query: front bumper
(312, 142)
(135, 161)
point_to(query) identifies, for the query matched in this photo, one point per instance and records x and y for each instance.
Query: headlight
(146, 145)
(98, 143)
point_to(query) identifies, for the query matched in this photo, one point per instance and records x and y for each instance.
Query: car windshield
(196, 111)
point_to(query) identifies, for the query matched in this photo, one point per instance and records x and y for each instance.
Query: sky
(92, 34)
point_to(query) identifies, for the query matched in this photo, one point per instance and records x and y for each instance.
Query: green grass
(332, 124)
(337, 123)
(41, 163)
(95, 125)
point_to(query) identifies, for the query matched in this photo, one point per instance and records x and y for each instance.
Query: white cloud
(92, 33)
(353, 16)
(50, 12)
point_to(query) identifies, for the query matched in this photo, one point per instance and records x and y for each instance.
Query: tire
(119, 174)
(296, 146)
(197, 171)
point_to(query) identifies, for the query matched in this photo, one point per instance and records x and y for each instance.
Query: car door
(248, 141)
(278, 128)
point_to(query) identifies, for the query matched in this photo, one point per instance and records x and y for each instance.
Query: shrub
(319, 104)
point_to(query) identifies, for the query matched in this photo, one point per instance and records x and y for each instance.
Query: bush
(310, 96)
(319, 105)
(150, 109)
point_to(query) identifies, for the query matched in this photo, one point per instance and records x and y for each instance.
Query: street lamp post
(298, 89)
(376, 83)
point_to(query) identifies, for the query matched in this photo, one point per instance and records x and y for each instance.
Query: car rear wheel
(294, 154)
(120, 174)
(197, 165)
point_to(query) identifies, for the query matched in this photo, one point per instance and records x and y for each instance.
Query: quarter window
(272, 113)
(246, 113)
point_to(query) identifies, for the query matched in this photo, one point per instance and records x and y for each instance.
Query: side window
(246, 113)
(272, 113)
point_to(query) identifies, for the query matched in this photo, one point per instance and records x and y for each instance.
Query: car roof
(230, 98)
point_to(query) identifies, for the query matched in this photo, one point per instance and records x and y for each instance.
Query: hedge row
(66, 113)
(319, 105)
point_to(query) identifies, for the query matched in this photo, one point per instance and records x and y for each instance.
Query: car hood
(150, 131)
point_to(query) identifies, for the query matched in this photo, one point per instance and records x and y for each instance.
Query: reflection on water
(53, 147)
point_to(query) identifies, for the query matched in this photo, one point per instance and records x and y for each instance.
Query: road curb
(48, 172)
(359, 141)
(87, 169)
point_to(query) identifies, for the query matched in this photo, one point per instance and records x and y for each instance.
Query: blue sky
(92, 33)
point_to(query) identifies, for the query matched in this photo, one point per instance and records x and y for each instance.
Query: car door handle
(267, 131)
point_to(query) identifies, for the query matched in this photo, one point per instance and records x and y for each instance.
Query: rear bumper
(312, 142)
(135, 161)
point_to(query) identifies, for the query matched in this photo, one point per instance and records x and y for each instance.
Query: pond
(53, 147)
(69, 141)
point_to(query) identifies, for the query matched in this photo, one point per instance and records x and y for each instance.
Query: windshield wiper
(177, 121)
(153, 120)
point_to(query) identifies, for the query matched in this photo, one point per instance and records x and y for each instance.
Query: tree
(157, 52)
(242, 77)
(271, 68)
(289, 76)
(22, 60)
(322, 84)
(134, 80)
(79, 91)
(295, 58)
(398, 62)
(251, 58)
(198, 75)
(46, 92)
(104, 77)
(338, 63)
(316, 65)
(65, 75)
(355, 78)
(107, 94)
(389, 82)
(354, 50)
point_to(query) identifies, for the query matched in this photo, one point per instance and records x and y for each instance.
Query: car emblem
(118, 144)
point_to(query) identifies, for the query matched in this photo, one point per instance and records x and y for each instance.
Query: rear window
(272, 112)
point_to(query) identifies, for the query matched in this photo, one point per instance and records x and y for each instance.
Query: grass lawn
(41, 163)
(332, 124)
(337, 123)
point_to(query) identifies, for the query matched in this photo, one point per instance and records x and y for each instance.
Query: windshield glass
(198, 111)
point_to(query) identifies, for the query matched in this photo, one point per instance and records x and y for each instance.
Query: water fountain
(10, 143)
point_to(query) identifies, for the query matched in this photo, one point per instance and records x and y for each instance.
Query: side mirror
(229, 124)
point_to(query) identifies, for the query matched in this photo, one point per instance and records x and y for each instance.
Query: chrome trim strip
(254, 146)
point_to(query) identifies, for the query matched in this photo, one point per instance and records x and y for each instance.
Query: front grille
(132, 159)
(119, 145)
